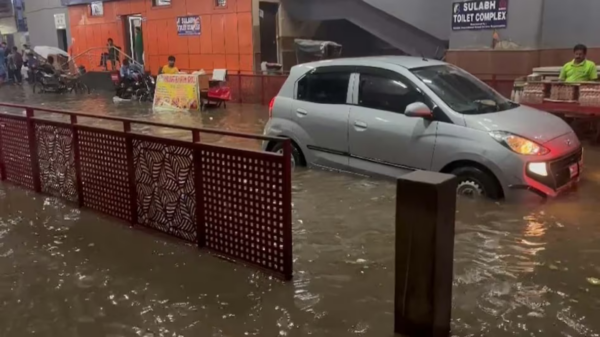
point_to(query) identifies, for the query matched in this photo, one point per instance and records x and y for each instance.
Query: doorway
(134, 38)
(268, 31)
(62, 39)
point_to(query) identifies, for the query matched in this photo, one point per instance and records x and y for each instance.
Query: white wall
(40, 21)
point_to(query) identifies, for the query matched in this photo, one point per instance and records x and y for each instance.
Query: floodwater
(520, 269)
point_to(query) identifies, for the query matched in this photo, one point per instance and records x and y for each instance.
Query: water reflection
(520, 270)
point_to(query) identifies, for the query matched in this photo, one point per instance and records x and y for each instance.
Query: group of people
(11, 63)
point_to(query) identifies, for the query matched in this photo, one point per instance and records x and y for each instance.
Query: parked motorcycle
(139, 87)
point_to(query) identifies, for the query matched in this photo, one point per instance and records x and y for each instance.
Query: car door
(381, 138)
(321, 113)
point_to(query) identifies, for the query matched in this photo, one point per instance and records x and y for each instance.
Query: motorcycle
(139, 87)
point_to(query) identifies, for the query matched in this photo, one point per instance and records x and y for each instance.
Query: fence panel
(55, 152)
(234, 202)
(104, 172)
(251, 89)
(164, 179)
(272, 85)
(16, 157)
(244, 204)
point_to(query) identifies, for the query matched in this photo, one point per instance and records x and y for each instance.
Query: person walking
(18, 64)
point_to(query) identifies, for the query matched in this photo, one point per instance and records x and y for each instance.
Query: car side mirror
(418, 109)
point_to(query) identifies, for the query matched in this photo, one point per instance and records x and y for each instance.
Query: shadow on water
(520, 269)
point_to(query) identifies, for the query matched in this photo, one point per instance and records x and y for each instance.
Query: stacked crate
(533, 93)
(563, 92)
(589, 94)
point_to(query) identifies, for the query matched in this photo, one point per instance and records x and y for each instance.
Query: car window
(461, 91)
(324, 88)
(384, 93)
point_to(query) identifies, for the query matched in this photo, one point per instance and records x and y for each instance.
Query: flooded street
(520, 269)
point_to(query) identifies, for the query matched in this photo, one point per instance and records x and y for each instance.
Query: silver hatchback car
(395, 114)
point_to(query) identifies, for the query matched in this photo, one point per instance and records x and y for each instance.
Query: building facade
(42, 17)
(223, 39)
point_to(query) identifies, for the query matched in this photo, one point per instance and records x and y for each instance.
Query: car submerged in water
(395, 114)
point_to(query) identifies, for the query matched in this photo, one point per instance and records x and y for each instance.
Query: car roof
(408, 62)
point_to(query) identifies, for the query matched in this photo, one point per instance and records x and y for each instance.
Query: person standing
(139, 45)
(580, 69)
(169, 68)
(3, 69)
(15, 64)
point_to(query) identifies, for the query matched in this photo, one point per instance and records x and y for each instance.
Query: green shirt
(584, 71)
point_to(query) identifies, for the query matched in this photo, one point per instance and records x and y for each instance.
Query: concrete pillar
(425, 213)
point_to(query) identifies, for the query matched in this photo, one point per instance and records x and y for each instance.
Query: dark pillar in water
(425, 212)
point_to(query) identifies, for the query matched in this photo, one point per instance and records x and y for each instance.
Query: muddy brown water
(520, 269)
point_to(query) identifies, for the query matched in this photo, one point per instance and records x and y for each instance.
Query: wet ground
(520, 269)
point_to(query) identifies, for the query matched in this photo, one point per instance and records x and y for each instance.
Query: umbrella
(44, 51)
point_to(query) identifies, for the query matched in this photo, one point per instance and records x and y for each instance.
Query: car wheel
(297, 159)
(475, 183)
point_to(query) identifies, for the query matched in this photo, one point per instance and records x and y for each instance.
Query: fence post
(199, 187)
(77, 160)
(131, 169)
(425, 213)
(288, 258)
(2, 165)
(263, 95)
(494, 82)
(35, 165)
(240, 87)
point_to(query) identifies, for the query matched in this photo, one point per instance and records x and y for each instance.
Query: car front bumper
(561, 174)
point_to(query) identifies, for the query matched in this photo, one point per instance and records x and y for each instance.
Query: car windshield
(461, 91)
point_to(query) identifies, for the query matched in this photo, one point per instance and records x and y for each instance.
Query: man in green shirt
(579, 69)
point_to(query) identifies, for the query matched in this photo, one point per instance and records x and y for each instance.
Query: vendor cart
(576, 103)
(215, 92)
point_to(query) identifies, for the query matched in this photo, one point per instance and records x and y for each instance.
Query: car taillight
(271, 107)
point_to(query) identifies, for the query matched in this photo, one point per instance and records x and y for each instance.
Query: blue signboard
(481, 14)
(189, 25)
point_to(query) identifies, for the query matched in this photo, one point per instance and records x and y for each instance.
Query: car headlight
(519, 144)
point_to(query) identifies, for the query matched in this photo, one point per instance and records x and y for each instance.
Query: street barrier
(425, 215)
(234, 202)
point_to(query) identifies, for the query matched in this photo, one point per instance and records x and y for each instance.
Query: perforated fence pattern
(104, 172)
(234, 202)
(243, 202)
(16, 157)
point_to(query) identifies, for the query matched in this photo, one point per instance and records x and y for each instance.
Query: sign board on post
(177, 92)
(60, 21)
(480, 14)
(189, 25)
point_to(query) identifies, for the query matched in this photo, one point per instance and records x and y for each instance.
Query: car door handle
(360, 125)
(301, 112)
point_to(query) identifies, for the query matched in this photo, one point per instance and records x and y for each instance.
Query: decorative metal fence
(233, 202)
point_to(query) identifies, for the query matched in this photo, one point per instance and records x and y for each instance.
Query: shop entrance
(134, 37)
(268, 31)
